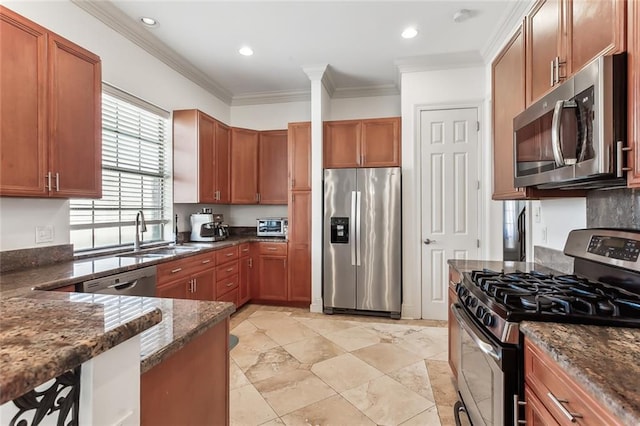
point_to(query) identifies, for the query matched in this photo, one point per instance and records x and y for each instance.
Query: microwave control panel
(615, 248)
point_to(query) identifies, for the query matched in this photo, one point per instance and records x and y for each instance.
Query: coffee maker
(207, 226)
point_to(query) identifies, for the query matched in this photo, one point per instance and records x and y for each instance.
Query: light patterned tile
(353, 338)
(386, 401)
(345, 372)
(248, 407)
(313, 350)
(416, 378)
(428, 417)
(334, 410)
(275, 422)
(249, 348)
(273, 362)
(293, 390)
(386, 357)
(441, 383)
(237, 379)
(325, 326)
(290, 333)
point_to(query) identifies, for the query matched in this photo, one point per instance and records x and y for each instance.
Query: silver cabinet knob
(428, 241)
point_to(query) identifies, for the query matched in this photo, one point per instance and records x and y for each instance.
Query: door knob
(428, 241)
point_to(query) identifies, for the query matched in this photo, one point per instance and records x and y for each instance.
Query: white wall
(557, 217)
(124, 65)
(270, 116)
(463, 86)
(367, 107)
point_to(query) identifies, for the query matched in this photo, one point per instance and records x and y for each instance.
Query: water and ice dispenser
(339, 230)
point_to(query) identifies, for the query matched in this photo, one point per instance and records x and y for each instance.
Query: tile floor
(292, 367)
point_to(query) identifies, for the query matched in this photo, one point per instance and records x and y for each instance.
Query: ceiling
(359, 41)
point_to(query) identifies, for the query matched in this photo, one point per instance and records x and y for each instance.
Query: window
(135, 176)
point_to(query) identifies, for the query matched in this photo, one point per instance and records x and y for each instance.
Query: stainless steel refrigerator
(362, 261)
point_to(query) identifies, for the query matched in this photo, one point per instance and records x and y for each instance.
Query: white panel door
(449, 175)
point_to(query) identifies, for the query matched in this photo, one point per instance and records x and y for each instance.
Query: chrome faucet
(141, 226)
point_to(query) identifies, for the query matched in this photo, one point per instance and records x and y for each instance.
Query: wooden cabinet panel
(225, 285)
(272, 166)
(273, 277)
(204, 285)
(227, 270)
(544, 44)
(535, 413)
(595, 27)
(633, 58)
(222, 163)
(178, 289)
(299, 153)
(299, 274)
(547, 380)
(244, 249)
(342, 143)
(68, 288)
(244, 277)
(273, 249)
(51, 113)
(508, 86)
(23, 122)
(231, 296)
(226, 255)
(171, 271)
(191, 387)
(381, 142)
(300, 217)
(244, 166)
(205, 153)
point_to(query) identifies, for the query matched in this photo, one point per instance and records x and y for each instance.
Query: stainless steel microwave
(272, 227)
(575, 135)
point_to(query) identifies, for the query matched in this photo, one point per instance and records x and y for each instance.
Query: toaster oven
(272, 227)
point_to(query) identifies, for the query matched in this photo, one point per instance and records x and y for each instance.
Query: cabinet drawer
(231, 296)
(173, 270)
(226, 255)
(227, 270)
(201, 261)
(225, 285)
(278, 249)
(244, 249)
(559, 393)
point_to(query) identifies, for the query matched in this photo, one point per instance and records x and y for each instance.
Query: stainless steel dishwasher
(139, 282)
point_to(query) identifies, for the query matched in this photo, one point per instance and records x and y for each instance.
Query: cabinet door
(381, 142)
(299, 273)
(244, 287)
(204, 285)
(206, 159)
(595, 27)
(342, 144)
(178, 289)
(273, 278)
(300, 217)
(299, 147)
(23, 122)
(454, 336)
(272, 179)
(75, 115)
(507, 84)
(244, 166)
(544, 43)
(633, 57)
(222, 163)
(535, 412)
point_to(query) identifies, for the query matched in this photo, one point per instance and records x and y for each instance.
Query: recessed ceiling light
(409, 32)
(246, 51)
(149, 22)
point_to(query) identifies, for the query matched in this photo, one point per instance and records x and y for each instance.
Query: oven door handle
(484, 345)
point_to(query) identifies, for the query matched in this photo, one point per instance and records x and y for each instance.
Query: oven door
(485, 381)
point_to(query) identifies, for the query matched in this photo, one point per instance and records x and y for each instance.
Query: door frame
(413, 240)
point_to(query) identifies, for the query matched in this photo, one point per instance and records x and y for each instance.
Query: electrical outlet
(543, 234)
(536, 214)
(44, 234)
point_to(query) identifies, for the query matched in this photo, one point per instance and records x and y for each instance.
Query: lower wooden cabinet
(189, 278)
(273, 277)
(299, 279)
(535, 412)
(244, 274)
(191, 387)
(174, 289)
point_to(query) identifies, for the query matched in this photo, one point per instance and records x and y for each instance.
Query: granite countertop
(605, 361)
(469, 265)
(44, 334)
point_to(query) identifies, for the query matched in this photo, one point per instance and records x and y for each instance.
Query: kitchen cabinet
(272, 167)
(244, 274)
(227, 275)
(192, 277)
(50, 127)
(454, 327)
(299, 154)
(192, 385)
(272, 272)
(201, 158)
(558, 397)
(300, 217)
(535, 412)
(299, 247)
(362, 143)
(565, 35)
(633, 58)
(244, 166)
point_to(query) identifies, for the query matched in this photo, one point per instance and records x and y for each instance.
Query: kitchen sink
(159, 252)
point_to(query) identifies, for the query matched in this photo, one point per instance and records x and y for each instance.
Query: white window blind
(135, 176)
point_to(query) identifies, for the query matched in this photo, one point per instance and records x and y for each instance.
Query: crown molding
(512, 18)
(439, 61)
(271, 98)
(117, 20)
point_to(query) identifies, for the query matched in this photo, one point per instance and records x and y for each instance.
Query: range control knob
(480, 312)
(487, 319)
(473, 302)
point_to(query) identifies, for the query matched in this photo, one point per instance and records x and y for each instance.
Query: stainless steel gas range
(604, 290)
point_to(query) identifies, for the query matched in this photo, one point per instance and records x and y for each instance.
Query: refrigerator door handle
(352, 241)
(358, 207)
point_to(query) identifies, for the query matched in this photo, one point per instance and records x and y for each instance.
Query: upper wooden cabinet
(565, 35)
(51, 121)
(272, 167)
(633, 58)
(258, 166)
(201, 150)
(362, 143)
(299, 153)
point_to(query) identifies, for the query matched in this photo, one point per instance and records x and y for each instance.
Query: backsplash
(12, 260)
(616, 208)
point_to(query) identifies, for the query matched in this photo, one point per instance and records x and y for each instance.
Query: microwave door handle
(556, 126)
(582, 117)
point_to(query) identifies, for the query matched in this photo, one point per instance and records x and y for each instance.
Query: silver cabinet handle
(516, 412)
(552, 81)
(57, 182)
(206, 261)
(272, 248)
(229, 269)
(428, 241)
(230, 284)
(251, 262)
(572, 417)
(245, 250)
(48, 184)
(195, 285)
(190, 286)
(229, 254)
(173, 271)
